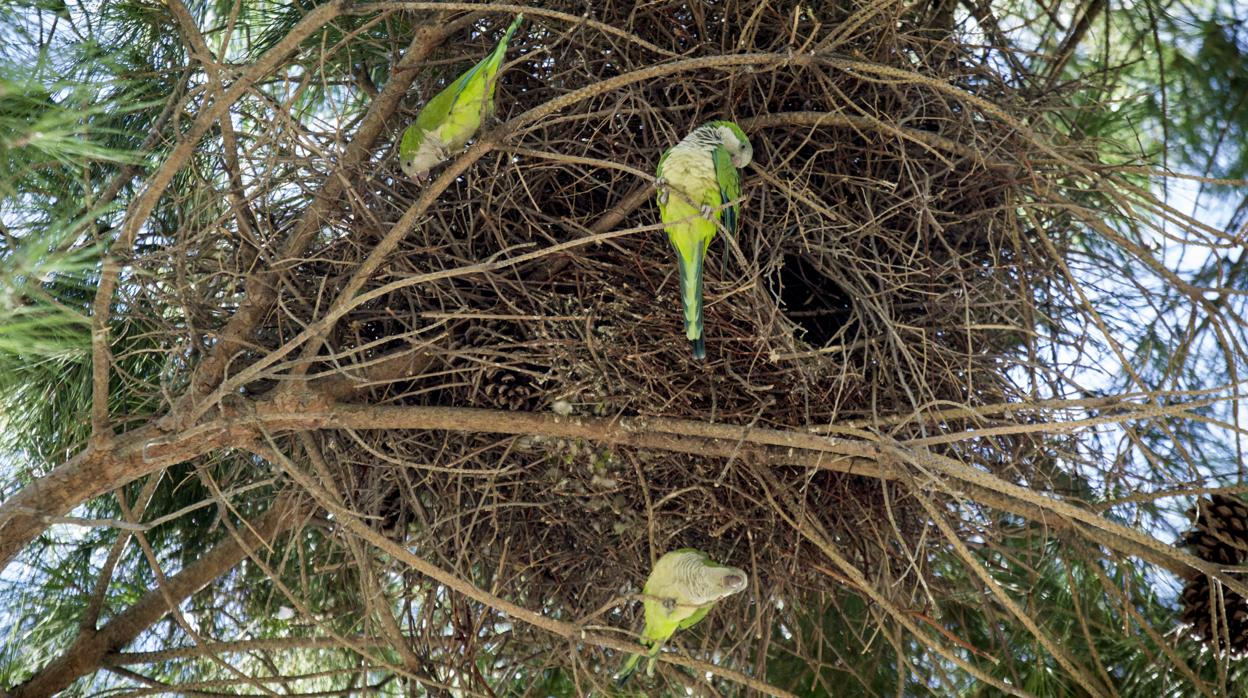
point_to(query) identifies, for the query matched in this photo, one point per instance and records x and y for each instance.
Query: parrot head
(735, 140)
(413, 169)
(420, 153)
(724, 581)
(732, 580)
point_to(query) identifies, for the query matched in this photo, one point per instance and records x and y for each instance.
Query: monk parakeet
(696, 178)
(680, 591)
(454, 114)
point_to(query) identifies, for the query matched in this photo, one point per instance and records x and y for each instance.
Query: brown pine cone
(509, 390)
(1219, 534)
(485, 334)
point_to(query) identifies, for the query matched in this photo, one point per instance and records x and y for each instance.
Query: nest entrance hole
(814, 302)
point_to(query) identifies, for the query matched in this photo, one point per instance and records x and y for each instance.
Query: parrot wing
(431, 117)
(729, 187)
(690, 235)
(440, 109)
(476, 86)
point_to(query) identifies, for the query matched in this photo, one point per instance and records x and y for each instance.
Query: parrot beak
(734, 582)
(409, 168)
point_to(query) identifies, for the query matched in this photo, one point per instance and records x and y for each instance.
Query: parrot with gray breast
(453, 116)
(681, 589)
(698, 189)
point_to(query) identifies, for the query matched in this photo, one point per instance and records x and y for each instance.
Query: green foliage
(1170, 78)
(840, 629)
(1206, 105)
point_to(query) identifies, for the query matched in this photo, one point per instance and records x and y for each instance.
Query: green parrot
(680, 591)
(696, 178)
(454, 114)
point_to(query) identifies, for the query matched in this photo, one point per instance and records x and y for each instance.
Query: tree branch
(260, 288)
(95, 472)
(90, 648)
(236, 647)
(142, 207)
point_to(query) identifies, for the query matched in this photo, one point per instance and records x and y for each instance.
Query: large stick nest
(888, 263)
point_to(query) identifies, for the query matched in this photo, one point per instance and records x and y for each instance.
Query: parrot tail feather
(510, 30)
(630, 665)
(691, 298)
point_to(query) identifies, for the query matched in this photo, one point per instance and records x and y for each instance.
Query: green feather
(455, 113)
(729, 187)
(662, 621)
(690, 268)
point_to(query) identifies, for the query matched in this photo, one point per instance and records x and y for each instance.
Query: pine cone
(485, 334)
(504, 388)
(1220, 531)
(1219, 534)
(509, 390)
(1228, 514)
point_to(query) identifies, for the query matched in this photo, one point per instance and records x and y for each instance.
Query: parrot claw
(669, 604)
(708, 213)
(660, 186)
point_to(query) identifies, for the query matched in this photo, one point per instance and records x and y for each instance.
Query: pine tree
(278, 419)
